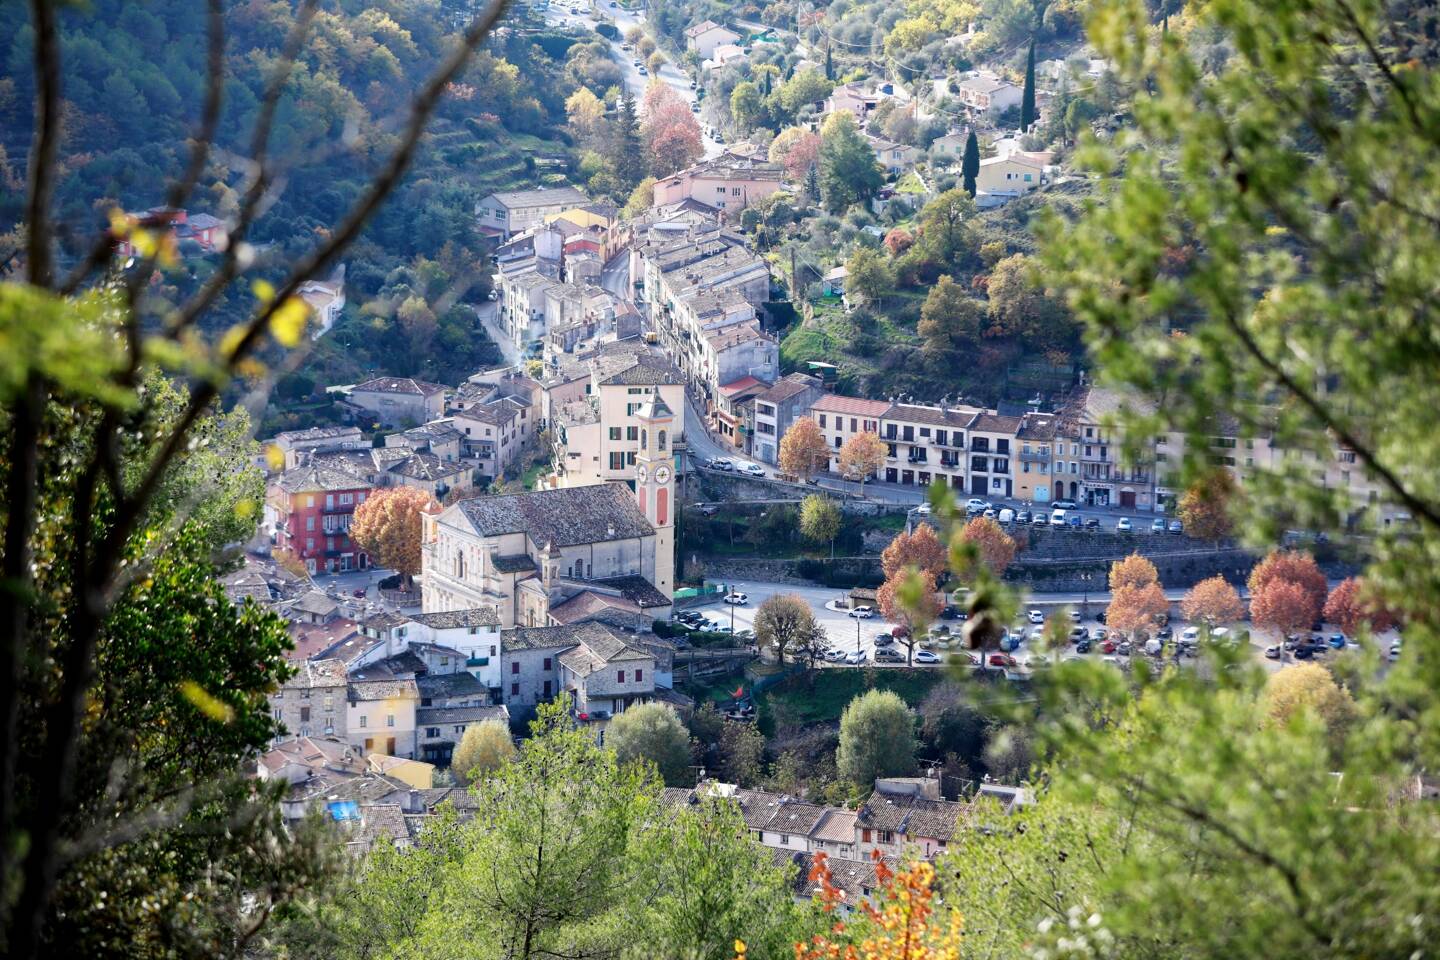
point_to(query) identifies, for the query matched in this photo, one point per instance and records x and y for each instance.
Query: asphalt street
(635, 82)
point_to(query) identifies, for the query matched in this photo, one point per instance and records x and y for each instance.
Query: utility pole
(794, 278)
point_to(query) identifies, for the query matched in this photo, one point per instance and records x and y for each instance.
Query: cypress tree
(812, 183)
(829, 64)
(970, 164)
(627, 156)
(1027, 100)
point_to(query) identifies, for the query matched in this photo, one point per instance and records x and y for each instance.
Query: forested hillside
(135, 82)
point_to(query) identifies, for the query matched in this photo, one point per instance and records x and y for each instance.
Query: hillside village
(648, 374)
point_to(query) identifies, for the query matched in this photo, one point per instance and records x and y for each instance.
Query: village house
(294, 444)
(380, 714)
(992, 447)
(894, 158)
(855, 97)
(399, 401)
(726, 54)
(926, 443)
(840, 418)
(311, 507)
(951, 147)
(779, 406)
(529, 554)
(986, 95)
(1009, 176)
(508, 212)
(326, 300)
(598, 437)
(1036, 439)
(312, 702)
(706, 36)
(728, 183)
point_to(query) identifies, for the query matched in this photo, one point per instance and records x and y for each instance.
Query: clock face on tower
(662, 475)
(641, 473)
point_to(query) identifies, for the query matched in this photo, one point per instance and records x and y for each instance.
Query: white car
(862, 613)
(754, 469)
(855, 657)
(925, 656)
(736, 599)
(1123, 525)
(1036, 616)
(834, 655)
(976, 505)
(923, 509)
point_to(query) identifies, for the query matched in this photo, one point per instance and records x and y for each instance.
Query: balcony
(338, 508)
(1035, 456)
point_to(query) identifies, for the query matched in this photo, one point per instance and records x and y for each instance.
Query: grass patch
(820, 696)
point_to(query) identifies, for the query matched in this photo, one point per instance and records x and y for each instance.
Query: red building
(313, 505)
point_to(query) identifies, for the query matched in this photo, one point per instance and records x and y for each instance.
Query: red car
(1108, 646)
(1001, 660)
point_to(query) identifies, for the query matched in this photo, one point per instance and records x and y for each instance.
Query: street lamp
(1085, 579)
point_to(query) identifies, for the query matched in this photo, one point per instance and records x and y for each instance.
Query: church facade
(550, 557)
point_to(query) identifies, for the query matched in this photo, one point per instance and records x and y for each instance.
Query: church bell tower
(655, 485)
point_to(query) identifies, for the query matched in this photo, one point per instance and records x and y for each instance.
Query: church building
(553, 557)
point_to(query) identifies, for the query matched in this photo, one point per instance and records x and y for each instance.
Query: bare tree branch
(40, 265)
(96, 570)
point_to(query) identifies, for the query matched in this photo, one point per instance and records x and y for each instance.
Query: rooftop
(545, 197)
(858, 406)
(453, 619)
(319, 476)
(565, 517)
(401, 385)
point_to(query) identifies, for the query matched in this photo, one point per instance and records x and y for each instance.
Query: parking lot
(856, 636)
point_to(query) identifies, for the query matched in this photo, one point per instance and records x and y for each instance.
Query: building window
(389, 719)
(346, 499)
(822, 421)
(514, 689)
(547, 663)
(614, 433)
(304, 714)
(329, 500)
(309, 523)
(364, 720)
(639, 675)
(514, 667)
(619, 676)
(432, 732)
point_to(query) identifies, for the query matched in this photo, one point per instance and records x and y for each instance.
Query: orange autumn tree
(1353, 605)
(1133, 571)
(909, 599)
(387, 526)
(921, 549)
(862, 455)
(1213, 601)
(803, 450)
(900, 925)
(996, 547)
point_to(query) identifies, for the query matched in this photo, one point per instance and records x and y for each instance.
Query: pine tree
(812, 184)
(970, 164)
(1027, 101)
(626, 152)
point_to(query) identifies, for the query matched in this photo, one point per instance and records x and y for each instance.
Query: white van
(1006, 515)
(1153, 647)
(1190, 635)
(1058, 518)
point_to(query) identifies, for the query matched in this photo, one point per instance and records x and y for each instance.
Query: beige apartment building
(840, 418)
(925, 444)
(597, 437)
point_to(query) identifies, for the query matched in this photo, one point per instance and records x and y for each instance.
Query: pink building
(727, 182)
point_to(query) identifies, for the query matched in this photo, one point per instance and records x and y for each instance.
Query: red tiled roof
(744, 383)
(835, 403)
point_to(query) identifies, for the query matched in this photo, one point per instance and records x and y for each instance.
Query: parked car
(976, 505)
(642, 71)
(695, 108)
(925, 656)
(1107, 646)
(1123, 525)
(1006, 515)
(1076, 521)
(1057, 517)
(720, 463)
(1176, 526)
(1001, 660)
(855, 657)
(1036, 616)
(889, 655)
(1023, 516)
(1337, 641)
(1099, 633)
(989, 513)
(1079, 633)
(1039, 519)
(1157, 525)
(883, 639)
(1303, 651)
(746, 634)
(1092, 523)
(754, 469)
(1272, 652)
(862, 613)
(950, 612)
(1063, 505)
(358, 594)
(1124, 648)
(1074, 615)
(1164, 633)
(1083, 646)
(635, 62)
(736, 599)
(1190, 635)
(834, 655)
